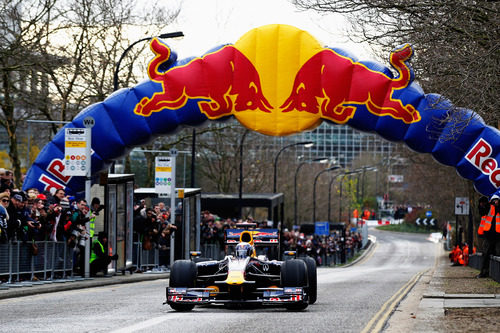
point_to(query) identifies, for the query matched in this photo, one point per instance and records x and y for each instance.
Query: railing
(214, 251)
(476, 261)
(17, 262)
(54, 262)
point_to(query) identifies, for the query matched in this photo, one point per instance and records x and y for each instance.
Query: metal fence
(215, 252)
(17, 262)
(476, 261)
(54, 262)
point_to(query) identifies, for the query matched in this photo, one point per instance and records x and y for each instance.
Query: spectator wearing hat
(4, 216)
(19, 217)
(99, 257)
(489, 230)
(40, 213)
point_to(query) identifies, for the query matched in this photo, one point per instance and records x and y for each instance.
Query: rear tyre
(182, 274)
(312, 289)
(294, 274)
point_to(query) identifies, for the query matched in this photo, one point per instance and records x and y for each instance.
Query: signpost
(322, 228)
(165, 184)
(77, 162)
(462, 207)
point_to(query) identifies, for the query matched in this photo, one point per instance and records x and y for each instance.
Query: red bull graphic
(335, 86)
(225, 79)
(278, 80)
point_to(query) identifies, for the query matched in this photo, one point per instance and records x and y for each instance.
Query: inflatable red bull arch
(278, 80)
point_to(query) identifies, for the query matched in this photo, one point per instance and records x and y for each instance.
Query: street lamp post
(314, 188)
(240, 196)
(306, 144)
(340, 191)
(295, 216)
(330, 195)
(117, 68)
(167, 35)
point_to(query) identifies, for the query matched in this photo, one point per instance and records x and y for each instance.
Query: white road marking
(148, 323)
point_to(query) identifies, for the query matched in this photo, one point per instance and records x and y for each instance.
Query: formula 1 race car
(243, 277)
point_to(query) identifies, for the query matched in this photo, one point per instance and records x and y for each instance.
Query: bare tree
(57, 57)
(456, 41)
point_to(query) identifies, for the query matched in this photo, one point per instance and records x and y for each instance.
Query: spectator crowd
(30, 216)
(213, 229)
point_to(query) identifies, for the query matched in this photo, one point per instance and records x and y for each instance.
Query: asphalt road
(351, 299)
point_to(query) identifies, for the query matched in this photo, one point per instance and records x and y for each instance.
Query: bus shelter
(261, 206)
(187, 217)
(119, 217)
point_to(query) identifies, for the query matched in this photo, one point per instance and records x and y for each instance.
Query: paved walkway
(426, 304)
(32, 288)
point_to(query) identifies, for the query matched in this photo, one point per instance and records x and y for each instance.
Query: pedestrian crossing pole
(88, 122)
(173, 155)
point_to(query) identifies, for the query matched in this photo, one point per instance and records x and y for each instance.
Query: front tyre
(312, 277)
(183, 275)
(294, 274)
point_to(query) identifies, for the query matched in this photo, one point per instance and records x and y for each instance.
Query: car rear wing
(256, 237)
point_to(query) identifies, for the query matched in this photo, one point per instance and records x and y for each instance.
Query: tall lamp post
(314, 188)
(117, 68)
(240, 194)
(167, 35)
(330, 194)
(307, 144)
(319, 160)
(340, 194)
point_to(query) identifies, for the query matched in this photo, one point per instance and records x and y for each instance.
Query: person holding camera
(19, 218)
(78, 232)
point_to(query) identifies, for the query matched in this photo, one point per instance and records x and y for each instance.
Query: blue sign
(428, 213)
(322, 228)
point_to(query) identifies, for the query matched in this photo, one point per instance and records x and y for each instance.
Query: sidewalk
(448, 299)
(32, 288)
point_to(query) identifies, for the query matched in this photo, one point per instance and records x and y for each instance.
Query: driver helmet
(243, 250)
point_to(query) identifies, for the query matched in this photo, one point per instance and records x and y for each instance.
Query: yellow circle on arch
(278, 51)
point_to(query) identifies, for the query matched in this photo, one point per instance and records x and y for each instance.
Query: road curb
(73, 284)
(372, 240)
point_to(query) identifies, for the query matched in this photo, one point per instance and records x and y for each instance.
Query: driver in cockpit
(244, 250)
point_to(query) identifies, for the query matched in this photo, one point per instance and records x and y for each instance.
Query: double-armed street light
(316, 160)
(314, 188)
(117, 68)
(306, 144)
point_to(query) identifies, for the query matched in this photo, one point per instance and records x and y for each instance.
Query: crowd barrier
(18, 262)
(53, 261)
(476, 261)
(215, 252)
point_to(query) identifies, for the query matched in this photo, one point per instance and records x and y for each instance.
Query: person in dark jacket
(99, 257)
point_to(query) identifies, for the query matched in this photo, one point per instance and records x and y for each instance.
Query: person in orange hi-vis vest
(489, 230)
(454, 253)
(465, 252)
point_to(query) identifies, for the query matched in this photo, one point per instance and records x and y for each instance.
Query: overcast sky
(209, 23)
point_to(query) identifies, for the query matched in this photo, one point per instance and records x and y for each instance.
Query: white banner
(163, 175)
(76, 151)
